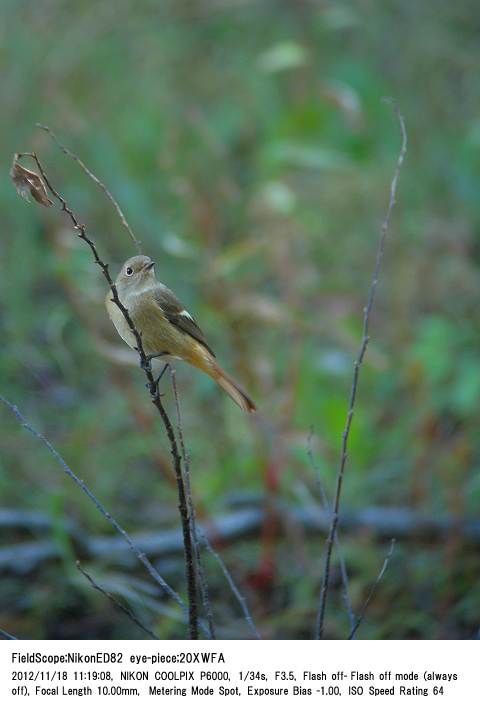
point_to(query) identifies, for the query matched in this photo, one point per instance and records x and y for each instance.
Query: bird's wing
(178, 316)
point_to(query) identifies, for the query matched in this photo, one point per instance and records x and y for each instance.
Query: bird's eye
(129, 271)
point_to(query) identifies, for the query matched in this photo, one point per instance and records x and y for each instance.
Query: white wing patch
(186, 314)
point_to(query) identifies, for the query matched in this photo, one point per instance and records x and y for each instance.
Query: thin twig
(153, 572)
(145, 364)
(6, 636)
(356, 370)
(326, 508)
(134, 548)
(231, 583)
(117, 603)
(372, 591)
(193, 523)
(205, 541)
(93, 177)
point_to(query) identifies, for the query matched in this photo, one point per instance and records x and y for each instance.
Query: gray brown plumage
(165, 326)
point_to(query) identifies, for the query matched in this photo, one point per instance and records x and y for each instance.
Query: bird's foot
(146, 363)
(153, 385)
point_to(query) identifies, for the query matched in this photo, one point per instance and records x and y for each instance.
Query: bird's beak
(150, 265)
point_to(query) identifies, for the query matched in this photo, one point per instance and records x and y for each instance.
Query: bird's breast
(157, 332)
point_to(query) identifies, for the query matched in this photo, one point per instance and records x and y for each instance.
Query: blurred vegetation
(249, 148)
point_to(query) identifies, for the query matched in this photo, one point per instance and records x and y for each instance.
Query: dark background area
(251, 152)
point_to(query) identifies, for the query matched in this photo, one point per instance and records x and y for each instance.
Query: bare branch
(372, 591)
(117, 603)
(93, 177)
(134, 548)
(6, 636)
(326, 508)
(193, 524)
(145, 364)
(356, 371)
(232, 584)
(204, 539)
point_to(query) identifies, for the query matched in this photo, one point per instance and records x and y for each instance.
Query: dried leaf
(26, 182)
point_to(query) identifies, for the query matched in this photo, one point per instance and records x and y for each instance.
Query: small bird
(167, 329)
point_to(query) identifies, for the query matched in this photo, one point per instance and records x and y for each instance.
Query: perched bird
(167, 329)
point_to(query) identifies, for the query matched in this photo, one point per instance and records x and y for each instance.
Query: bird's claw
(152, 386)
(153, 389)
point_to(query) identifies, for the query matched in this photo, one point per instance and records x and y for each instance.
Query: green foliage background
(249, 148)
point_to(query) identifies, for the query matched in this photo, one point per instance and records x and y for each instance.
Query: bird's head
(137, 273)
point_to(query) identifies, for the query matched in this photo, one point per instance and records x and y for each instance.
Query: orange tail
(233, 390)
(204, 360)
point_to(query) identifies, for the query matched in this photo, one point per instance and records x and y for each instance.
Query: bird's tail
(204, 360)
(232, 389)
